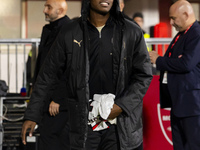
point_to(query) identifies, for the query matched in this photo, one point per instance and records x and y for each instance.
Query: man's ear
(59, 11)
(186, 15)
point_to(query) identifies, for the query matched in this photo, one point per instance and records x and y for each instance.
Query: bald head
(55, 9)
(181, 15)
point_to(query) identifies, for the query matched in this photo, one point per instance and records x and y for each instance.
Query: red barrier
(157, 129)
(160, 31)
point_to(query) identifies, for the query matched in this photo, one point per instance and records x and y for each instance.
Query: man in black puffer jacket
(53, 128)
(99, 53)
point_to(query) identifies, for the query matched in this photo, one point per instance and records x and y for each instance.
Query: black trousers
(54, 132)
(105, 139)
(185, 132)
(102, 140)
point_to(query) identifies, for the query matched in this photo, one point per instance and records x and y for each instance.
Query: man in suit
(180, 77)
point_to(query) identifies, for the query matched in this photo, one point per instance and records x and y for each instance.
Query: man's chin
(177, 29)
(104, 13)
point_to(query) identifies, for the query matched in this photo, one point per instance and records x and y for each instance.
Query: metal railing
(14, 54)
(160, 45)
(13, 58)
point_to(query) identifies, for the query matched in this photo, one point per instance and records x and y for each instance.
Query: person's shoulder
(197, 26)
(127, 17)
(70, 26)
(73, 23)
(130, 23)
(193, 34)
(65, 20)
(132, 27)
(195, 29)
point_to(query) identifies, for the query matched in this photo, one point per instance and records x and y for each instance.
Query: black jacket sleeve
(138, 73)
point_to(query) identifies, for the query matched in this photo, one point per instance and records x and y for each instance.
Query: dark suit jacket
(183, 74)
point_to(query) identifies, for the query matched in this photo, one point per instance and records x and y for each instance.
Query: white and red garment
(101, 108)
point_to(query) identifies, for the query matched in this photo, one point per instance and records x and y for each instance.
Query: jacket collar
(58, 22)
(108, 22)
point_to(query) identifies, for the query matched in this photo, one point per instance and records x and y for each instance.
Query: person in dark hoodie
(100, 53)
(53, 129)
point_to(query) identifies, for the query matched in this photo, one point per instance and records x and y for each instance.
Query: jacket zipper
(100, 35)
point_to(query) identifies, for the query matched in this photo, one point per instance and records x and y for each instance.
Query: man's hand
(27, 124)
(54, 108)
(153, 56)
(115, 111)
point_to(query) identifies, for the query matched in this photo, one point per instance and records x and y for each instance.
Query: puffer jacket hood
(115, 10)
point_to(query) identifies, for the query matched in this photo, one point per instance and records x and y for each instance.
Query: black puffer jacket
(131, 70)
(49, 34)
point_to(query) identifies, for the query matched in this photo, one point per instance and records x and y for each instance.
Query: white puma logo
(79, 43)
